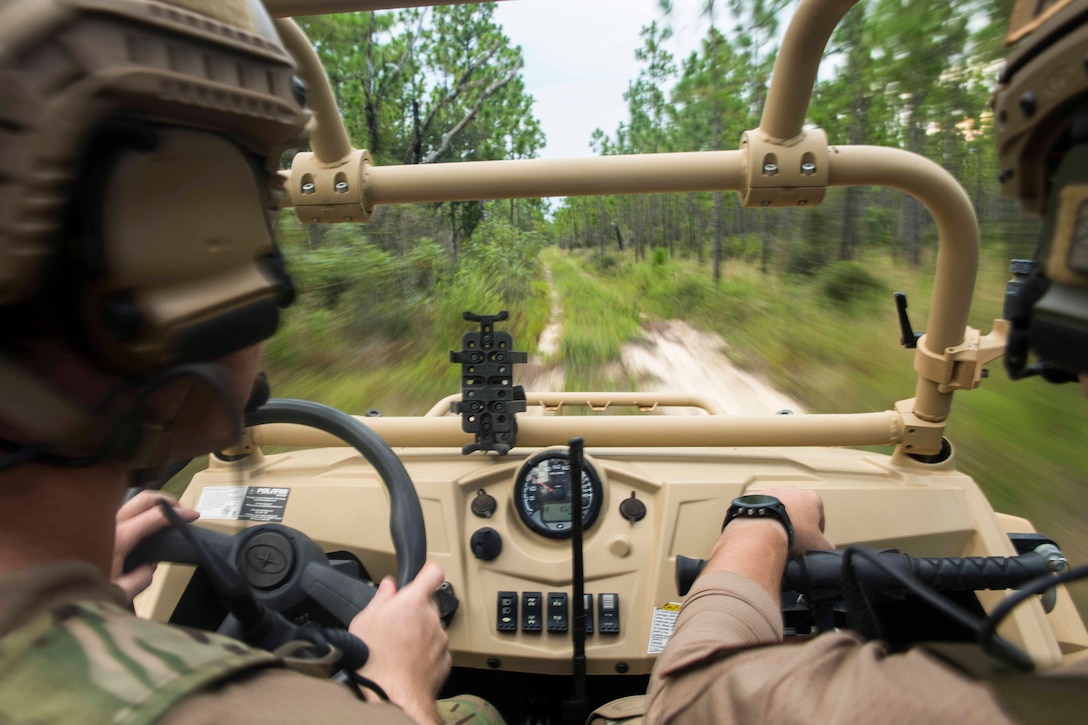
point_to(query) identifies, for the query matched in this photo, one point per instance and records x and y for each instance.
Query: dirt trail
(544, 373)
(675, 357)
(670, 357)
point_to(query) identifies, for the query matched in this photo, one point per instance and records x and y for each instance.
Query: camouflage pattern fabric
(94, 662)
(624, 711)
(468, 709)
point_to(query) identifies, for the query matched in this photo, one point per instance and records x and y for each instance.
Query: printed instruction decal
(661, 626)
(243, 503)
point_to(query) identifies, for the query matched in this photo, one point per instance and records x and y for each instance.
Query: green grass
(598, 320)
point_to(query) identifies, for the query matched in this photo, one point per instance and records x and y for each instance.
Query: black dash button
(557, 612)
(588, 599)
(507, 619)
(608, 613)
(532, 612)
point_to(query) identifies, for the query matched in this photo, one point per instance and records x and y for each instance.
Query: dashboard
(499, 528)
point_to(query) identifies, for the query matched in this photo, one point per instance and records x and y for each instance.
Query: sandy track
(675, 357)
(671, 356)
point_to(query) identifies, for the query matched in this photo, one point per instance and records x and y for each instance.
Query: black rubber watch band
(758, 506)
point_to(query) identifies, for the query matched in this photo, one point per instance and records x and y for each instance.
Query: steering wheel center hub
(267, 559)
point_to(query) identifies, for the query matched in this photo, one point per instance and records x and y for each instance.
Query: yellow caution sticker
(661, 626)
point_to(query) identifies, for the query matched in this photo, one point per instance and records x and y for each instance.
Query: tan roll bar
(779, 164)
(329, 140)
(796, 66)
(645, 402)
(856, 429)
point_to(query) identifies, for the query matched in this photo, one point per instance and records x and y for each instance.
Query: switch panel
(507, 617)
(608, 613)
(557, 611)
(554, 612)
(532, 612)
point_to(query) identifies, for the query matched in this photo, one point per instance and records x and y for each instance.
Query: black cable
(1000, 648)
(30, 451)
(23, 455)
(368, 684)
(129, 421)
(861, 617)
(987, 634)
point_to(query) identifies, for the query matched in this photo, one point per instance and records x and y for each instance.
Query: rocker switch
(608, 613)
(532, 612)
(557, 611)
(507, 618)
(588, 599)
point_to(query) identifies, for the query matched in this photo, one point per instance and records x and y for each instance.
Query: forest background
(802, 295)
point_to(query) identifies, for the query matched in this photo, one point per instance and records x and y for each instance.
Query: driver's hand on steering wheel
(409, 656)
(138, 518)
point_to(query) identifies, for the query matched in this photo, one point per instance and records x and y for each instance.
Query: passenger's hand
(806, 511)
(138, 518)
(756, 548)
(409, 655)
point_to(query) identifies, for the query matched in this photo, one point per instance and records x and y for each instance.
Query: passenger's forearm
(756, 549)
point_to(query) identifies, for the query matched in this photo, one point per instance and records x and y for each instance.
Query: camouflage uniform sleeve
(267, 697)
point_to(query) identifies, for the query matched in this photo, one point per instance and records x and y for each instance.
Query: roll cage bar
(779, 164)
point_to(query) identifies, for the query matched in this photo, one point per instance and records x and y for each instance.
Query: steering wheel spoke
(339, 594)
(173, 546)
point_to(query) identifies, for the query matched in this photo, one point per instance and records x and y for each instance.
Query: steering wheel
(282, 566)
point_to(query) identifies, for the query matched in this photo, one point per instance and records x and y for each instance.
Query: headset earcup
(170, 258)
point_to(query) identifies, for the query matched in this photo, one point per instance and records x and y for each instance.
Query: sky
(580, 57)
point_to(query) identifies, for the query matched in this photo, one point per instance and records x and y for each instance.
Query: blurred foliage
(373, 327)
(848, 282)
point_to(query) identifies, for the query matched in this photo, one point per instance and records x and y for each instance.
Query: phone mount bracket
(489, 401)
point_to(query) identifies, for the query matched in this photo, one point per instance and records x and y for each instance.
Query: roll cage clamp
(330, 193)
(960, 367)
(784, 173)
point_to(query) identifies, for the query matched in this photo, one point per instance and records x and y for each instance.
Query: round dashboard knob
(485, 543)
(632, 509)
(619, 546)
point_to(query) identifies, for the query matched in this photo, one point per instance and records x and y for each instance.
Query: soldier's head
(1041, 124)
(139, 154)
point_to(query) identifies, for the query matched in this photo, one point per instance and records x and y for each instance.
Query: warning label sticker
(661, 626)
(221, 502)
(243, 503)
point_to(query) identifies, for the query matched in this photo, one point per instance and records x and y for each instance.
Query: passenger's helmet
(1041, 127)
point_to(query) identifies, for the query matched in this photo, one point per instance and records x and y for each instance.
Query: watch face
(757, 500)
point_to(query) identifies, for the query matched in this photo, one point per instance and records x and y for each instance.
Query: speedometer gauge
(542, 494)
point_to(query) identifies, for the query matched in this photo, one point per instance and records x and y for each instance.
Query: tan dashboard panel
(336, 497)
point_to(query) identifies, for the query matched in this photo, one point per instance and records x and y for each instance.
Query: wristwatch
(758, 506)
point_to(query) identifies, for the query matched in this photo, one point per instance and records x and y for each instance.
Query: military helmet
(139, 154)
(1041, 128)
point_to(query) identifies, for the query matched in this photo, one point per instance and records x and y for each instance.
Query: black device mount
(489, 401)
(908, 338)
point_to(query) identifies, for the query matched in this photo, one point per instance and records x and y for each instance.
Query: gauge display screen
(542, 494)
(552, 512)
